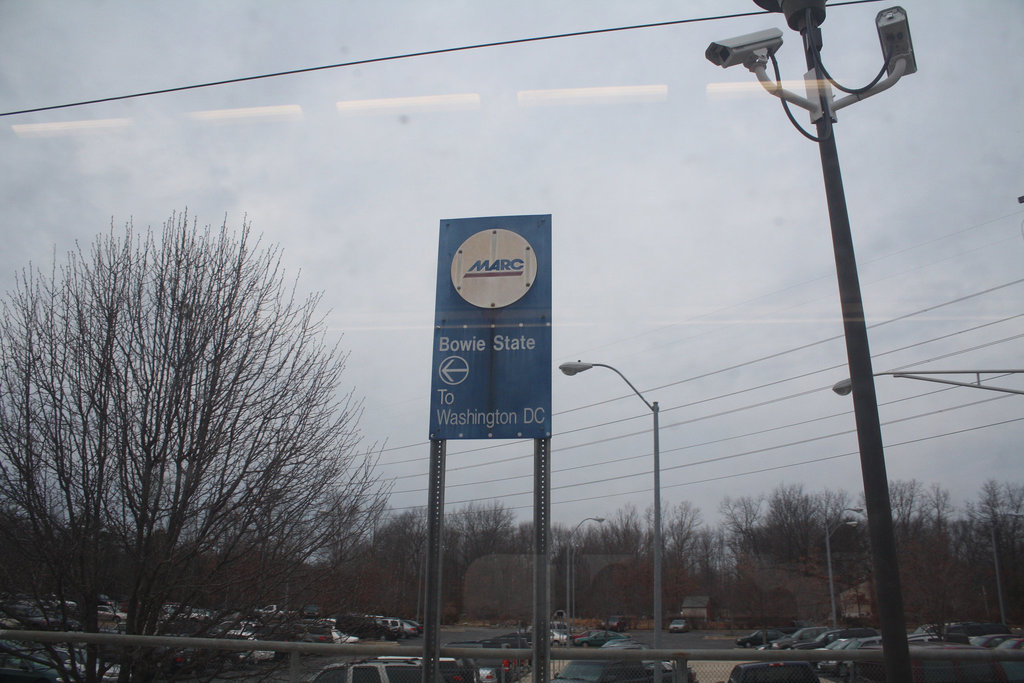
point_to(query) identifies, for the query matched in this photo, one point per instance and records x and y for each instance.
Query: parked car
(394, 670)
(596, 638)
(678, 626)
(492, 670)
(841, 667)
(109, 613)
(23, 614)
(321, 633)
(412, 628)
(361, 626)
(773, 672)
(19, 662)
(803, 635)
(19, 666)
(1011, 643)
(559, 637)
(392, 628)
(617, 623)
(828, 636)
(951, 669)
(963, 631)
(623, 644)
(74, 660)
(760, 637)
(607, 671)
(517, 639)
(268, 611)
(990, 640)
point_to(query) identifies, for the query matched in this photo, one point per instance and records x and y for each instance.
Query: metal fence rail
(711, 665)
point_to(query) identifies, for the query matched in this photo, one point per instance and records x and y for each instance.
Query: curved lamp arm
(572, 368)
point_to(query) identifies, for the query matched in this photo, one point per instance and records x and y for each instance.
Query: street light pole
(828, 561)
(569, 576)
(999, 580)
(754, 51)
(579, 366)
(865, 404)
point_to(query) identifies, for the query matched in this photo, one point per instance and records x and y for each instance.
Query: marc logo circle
(494, 268)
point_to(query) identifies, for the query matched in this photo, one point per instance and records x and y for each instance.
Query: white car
(559, 637)
(106, 613)
(246, 630)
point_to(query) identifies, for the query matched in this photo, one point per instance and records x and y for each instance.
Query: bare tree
(996, 525)
(682, 526)
(171, 427)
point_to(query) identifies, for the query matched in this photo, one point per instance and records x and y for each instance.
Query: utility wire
(748, 363)
(722, 458)
(717, 441)
(393, 58)
(732, 475)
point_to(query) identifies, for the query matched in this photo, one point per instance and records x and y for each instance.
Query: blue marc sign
(491, 363)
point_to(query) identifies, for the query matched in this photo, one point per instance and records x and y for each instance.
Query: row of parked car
(951, 639)
(807, 638)
(817, 637)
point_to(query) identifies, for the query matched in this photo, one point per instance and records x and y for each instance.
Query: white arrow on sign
(453, 370)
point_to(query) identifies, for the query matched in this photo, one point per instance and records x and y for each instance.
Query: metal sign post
(491, 379)
(435, 524)
(542, 551)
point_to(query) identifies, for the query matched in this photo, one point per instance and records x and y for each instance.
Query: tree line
(764, 562)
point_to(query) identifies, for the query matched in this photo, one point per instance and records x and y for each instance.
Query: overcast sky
(691, 246)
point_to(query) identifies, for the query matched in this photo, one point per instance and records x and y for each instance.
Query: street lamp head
(571, 368)
(843, 387)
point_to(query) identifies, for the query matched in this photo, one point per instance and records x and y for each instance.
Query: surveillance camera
(894, 34)
(744, 49)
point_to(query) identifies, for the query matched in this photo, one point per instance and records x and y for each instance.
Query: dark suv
(962, 632)
(607, 671)
(773, 672)
(760, 637)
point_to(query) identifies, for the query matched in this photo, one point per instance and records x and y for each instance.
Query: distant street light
(995, 559)
(569, 594)
(828, 558)
(573, 368)
(844, 386)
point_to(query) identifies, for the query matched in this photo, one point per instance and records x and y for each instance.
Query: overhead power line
(393, 58)
(721, 458)
(927, 309)
(604, 495)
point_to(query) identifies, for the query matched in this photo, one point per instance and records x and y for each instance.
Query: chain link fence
(937, 663)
